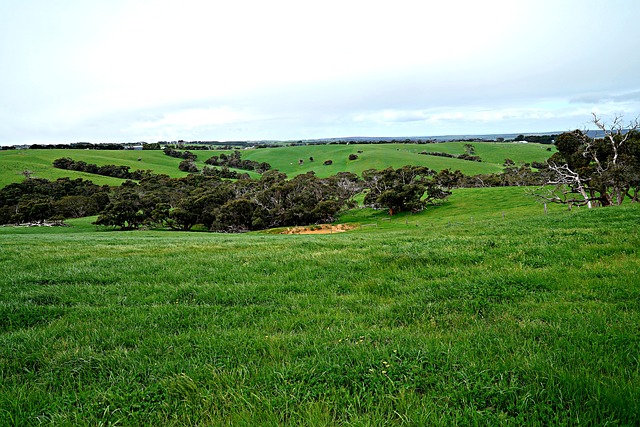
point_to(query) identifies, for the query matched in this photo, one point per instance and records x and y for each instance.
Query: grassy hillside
(14, 162)
(380, 156)
(285, 159)
(455, 316)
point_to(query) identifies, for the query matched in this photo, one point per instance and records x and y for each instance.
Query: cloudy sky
(151, 70)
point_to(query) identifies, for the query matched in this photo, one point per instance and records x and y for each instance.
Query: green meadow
(381, 156)
(40, 163)
(481, 311)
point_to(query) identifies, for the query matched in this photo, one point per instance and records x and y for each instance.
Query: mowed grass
(286, 159)
(526, 319)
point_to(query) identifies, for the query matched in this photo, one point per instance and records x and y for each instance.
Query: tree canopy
(596, 171)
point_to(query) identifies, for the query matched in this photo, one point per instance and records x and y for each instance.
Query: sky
(210, 70)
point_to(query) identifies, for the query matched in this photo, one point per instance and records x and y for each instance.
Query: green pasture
(40, 163)
(381, 156)
(481, 311)
(285, 159)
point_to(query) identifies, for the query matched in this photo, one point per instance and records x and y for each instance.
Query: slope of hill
(522, 320)
(39, 162)
(286, 159)
(380, 156)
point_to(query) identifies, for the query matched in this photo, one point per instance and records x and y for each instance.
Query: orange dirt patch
(319, 229)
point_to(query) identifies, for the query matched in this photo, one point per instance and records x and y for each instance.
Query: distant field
(285, 159)
(14, 162)
(482, 311)
(380, 156)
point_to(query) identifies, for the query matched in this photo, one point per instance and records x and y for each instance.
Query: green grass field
(381, 156)
(482, 311)
(285, 159)
(14, 162)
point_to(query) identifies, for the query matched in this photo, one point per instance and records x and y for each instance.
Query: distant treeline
(229, 145)
(463, 156)
(538, 139)
(92, 146)
(79, 146)
(114, 171)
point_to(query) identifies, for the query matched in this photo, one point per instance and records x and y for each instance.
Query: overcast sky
(126, 71)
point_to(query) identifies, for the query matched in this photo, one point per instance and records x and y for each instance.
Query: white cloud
(127, 69)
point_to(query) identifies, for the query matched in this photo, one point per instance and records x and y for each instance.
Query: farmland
(482, 310)
(285, 159)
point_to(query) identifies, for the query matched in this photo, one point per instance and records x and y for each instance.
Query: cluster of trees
(594, 172)
(122, 172)
(538, 139)
(270, 201)
(187, 155)
(512, 176)
(188, 165)
(409, 188)
(215, 204)
(36, 200)
(463, 156)
(234, 160)
(469, 154)
(183, 146)
(223, 172)
(79, 146)
(227, 206)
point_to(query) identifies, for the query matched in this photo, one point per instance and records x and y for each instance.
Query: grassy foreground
(420, 320)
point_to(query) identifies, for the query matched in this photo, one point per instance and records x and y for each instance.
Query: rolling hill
(286, 159)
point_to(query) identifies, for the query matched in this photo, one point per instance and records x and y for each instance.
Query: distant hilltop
(535, 137)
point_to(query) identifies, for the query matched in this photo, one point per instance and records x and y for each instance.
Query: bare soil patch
(319, 229)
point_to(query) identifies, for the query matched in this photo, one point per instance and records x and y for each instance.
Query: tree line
(215, 204)
(38, 200)
(115, 171)
(273, 200)
(463, 156)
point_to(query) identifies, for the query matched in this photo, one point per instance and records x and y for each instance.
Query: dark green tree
(596, 171)
(409, 188)
(126, 210)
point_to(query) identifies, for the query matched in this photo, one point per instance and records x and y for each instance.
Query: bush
(188, 165)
